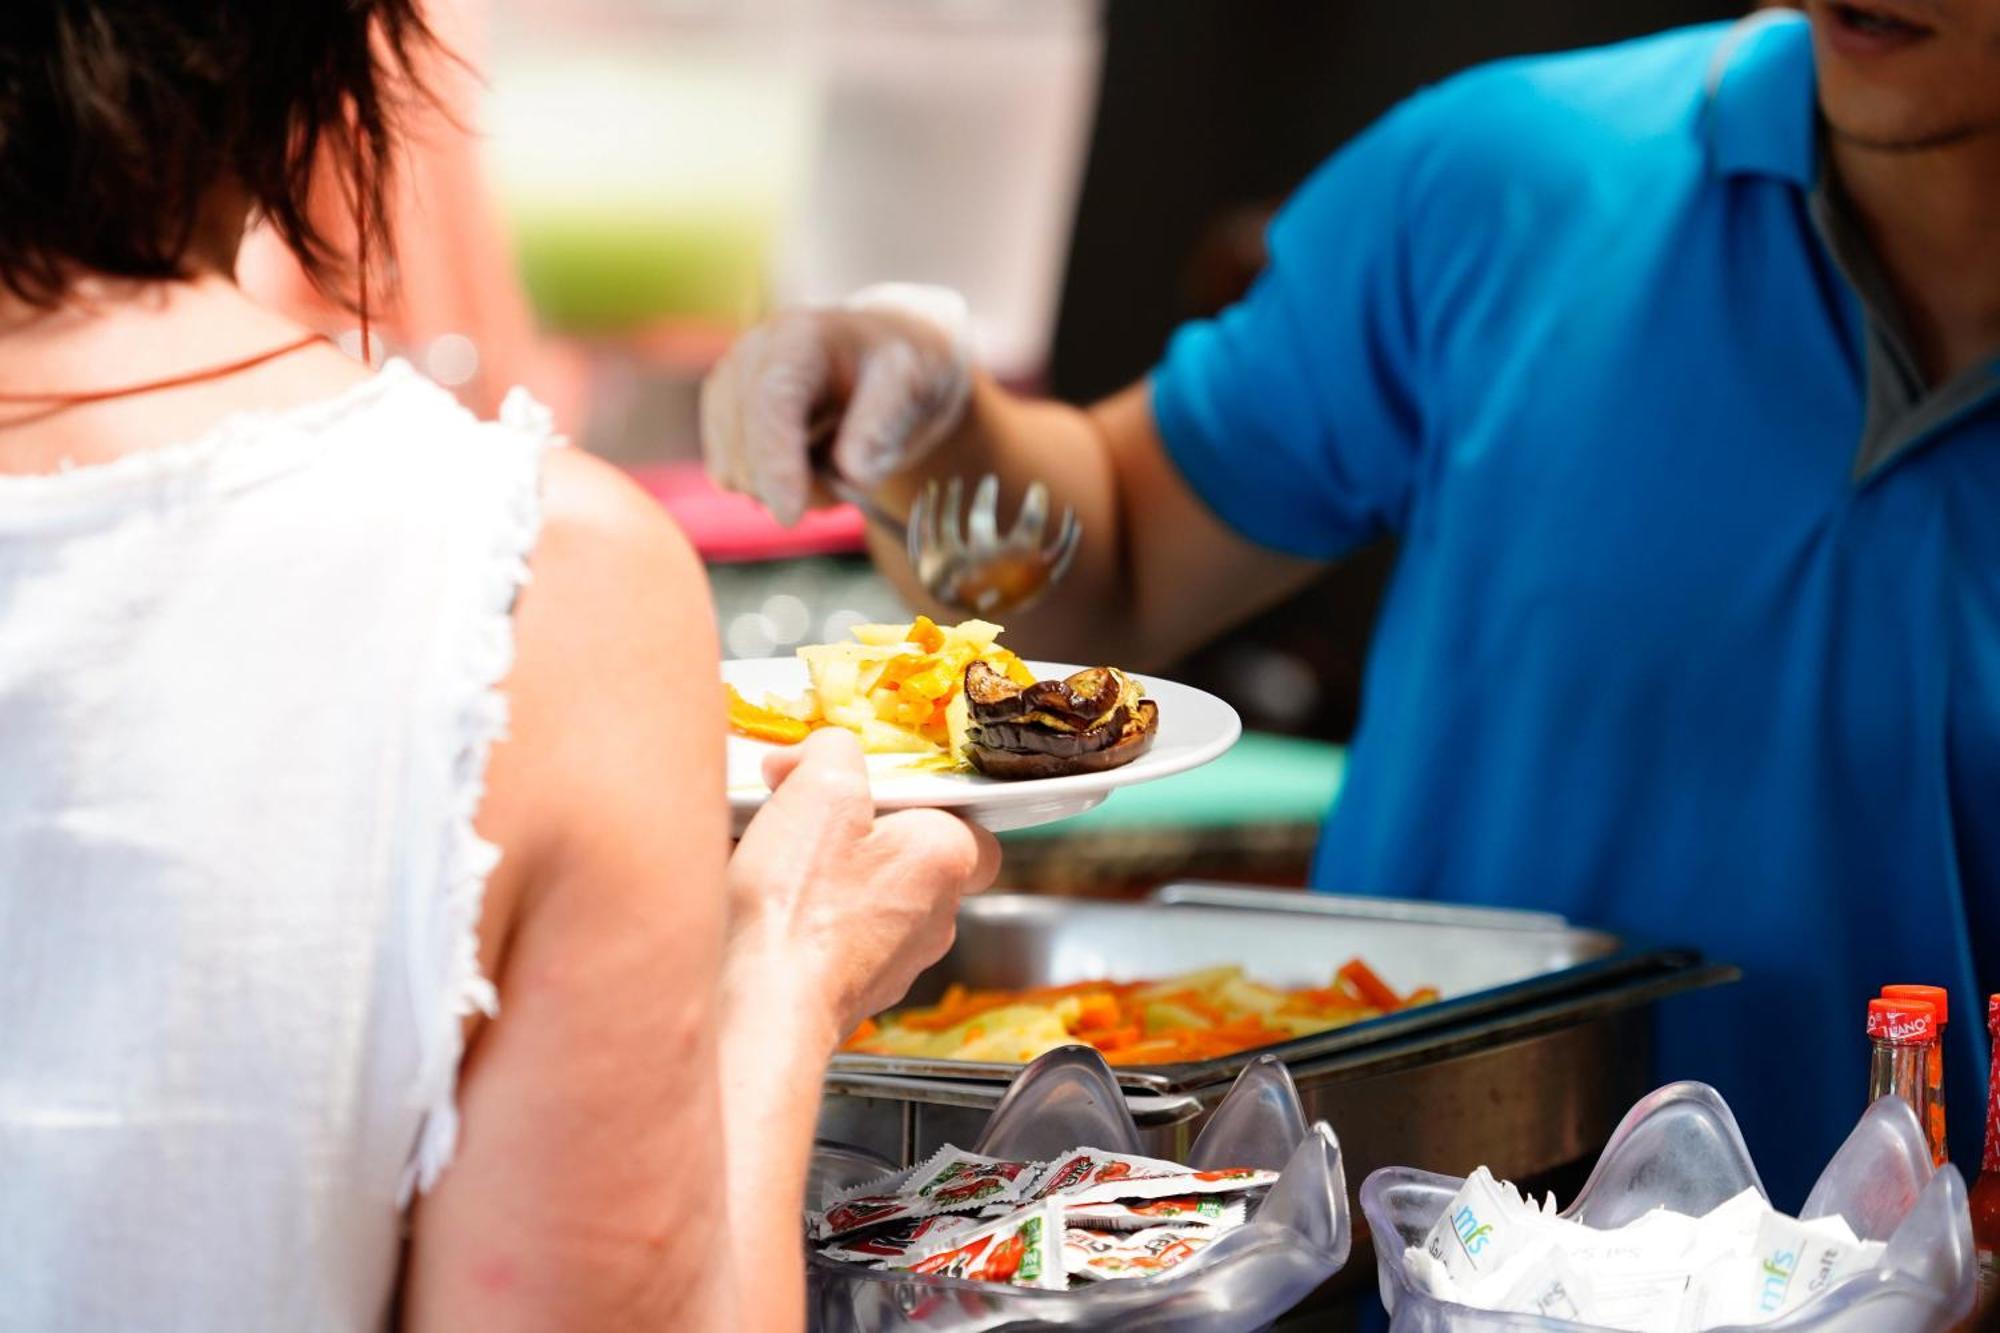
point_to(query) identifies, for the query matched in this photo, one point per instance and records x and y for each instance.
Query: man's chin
(1891, 137)
(1903, 114)
(1895, 125)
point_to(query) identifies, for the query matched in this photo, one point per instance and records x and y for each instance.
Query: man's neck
(1933, 218)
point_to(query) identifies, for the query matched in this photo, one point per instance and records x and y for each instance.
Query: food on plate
(1097, 719)
(1084, 1214)
(764, 724)
(951, 696)
(1197, 1016)
(900, 688)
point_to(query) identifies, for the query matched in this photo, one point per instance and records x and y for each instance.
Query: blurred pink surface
(730, 527)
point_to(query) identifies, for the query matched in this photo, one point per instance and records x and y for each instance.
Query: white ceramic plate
(1195, 727)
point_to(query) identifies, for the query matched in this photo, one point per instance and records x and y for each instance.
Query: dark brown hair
(120, 118)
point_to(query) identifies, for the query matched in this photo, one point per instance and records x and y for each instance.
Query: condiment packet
(1429, 1276)
(1208, 1210)
(1023, 1249)
(1089, 1175)
(1791, 1262)
(897, 1239)
(1638, 1273)
(1113, 1255)
(1485, 1224)
(1637, 1301)
(1663, 1272)
(953, 1180)
(1731, 1226)
(1555, 1288)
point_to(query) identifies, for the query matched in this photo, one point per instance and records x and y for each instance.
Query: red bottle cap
(1902, 1022)
(1937, 995)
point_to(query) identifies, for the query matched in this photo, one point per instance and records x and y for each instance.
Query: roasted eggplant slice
(1097, 719)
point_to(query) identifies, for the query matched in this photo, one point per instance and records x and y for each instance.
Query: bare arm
(1158, 573)
(638, 1119)
(805, 965)
(587, 1167)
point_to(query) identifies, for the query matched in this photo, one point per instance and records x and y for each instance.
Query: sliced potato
(1207, 979)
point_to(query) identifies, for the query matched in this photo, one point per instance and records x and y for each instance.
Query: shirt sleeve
(1293, 415)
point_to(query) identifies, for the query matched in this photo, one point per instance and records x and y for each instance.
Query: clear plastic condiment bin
(1295, 1240)
(1679, 1148)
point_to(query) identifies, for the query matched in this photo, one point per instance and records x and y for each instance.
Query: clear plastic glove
(891, 364)
(825, 894)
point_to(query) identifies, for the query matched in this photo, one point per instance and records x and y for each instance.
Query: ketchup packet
(1209, 1210)
(953, 1180)
(1089, 1175)
(1023, 1249)
(898, 1238)
(1113, 1255)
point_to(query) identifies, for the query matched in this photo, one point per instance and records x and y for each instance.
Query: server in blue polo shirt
(1673, 367)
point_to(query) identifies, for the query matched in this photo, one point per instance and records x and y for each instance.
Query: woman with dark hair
(367, 915)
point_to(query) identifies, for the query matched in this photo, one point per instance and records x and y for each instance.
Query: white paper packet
(1552, 1287)
(1790, 1262)
(1483, 1226)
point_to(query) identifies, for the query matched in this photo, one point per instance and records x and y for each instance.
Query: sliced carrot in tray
(1201, 1015)
(1369, 986)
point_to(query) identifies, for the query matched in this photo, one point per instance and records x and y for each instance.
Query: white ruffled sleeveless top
(247, 687)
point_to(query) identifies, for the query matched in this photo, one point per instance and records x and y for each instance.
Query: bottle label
(1900, 1028)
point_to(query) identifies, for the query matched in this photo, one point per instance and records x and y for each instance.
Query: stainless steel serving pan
(1541, 1039)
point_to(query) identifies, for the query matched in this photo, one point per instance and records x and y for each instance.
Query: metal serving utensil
(969, 565)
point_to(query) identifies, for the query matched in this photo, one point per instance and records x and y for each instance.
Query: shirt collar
(1761, 113)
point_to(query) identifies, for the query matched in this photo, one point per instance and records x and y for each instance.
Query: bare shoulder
(611, 701)
(597, 522)
(615, 586)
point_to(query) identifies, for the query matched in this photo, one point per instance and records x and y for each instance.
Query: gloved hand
(891, 364)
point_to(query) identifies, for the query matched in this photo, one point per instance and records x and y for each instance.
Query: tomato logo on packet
(1004, 1261)
(1174, 1207)
(966, 1183)
(984, 1259)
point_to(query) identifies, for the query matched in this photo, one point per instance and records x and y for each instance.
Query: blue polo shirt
(1657, 653)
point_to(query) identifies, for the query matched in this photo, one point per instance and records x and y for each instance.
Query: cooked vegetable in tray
(1198, 1016)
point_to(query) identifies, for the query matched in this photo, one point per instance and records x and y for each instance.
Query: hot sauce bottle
(1985, 1196)
(1903, 1034)
(1937, 996)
